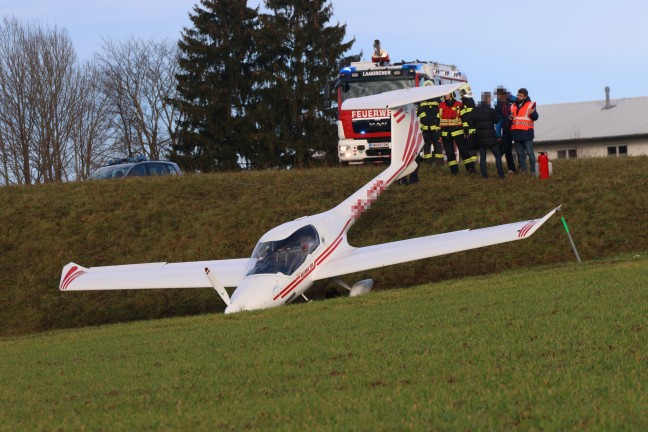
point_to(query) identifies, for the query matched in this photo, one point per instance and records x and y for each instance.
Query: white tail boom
(406, 142)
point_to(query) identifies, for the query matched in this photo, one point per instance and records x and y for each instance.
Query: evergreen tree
(299, 56)
(214, 86)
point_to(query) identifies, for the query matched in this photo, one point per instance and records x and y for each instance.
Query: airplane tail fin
(406, 138)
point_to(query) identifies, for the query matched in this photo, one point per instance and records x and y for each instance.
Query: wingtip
(537, 224)
(70, 272)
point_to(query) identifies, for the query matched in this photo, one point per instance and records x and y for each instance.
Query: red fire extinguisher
(544, 166)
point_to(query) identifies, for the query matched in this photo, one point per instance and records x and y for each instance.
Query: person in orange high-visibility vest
(523, 116)
(452, 132)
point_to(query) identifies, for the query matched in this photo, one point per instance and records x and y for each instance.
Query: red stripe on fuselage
(399, 115)
(329, 251)
(295, 283)
(409, 142)
(318, 261)
(412, 152)
(416, 141)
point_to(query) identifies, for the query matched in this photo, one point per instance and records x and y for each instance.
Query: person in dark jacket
(503, 126)
(428, 114)
(469, 132)
(483, 119)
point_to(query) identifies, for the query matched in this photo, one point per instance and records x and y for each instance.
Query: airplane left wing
(229, 272)
(382, 255)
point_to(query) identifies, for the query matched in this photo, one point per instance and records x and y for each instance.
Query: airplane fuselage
(267, 290)
(279, 285)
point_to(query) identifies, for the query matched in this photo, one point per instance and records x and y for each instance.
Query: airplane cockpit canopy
(284, 256)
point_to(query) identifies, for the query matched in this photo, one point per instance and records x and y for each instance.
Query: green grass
(223, 215)
(561, 347)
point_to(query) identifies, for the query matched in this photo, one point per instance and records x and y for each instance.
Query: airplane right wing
(382, 255)
(229, 272)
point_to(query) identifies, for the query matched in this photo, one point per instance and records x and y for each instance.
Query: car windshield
(111, 172)
(354, 89)
(284, 256)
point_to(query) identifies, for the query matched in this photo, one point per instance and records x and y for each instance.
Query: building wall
(606, 148)
(571, 149)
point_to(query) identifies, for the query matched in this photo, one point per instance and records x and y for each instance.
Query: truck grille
(382, 153)
(371, 126)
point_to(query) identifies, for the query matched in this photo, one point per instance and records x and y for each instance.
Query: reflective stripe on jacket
(428, 114)
(466, 115)
(521, 117)
(450, 115)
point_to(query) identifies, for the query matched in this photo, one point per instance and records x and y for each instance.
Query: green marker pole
(570, 239)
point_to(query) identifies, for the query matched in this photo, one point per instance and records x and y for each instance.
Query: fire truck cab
(364, 135)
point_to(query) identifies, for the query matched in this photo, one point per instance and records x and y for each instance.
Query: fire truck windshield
(353, 89)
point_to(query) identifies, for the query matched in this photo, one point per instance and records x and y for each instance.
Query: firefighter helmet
(465, 90)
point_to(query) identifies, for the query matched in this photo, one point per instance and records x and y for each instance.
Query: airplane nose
(256, 292)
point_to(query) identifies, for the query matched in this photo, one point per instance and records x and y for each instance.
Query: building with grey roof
(606, 128)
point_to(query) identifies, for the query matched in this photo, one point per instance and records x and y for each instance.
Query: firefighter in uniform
(466, 115)
(452, 132)
(428, 115)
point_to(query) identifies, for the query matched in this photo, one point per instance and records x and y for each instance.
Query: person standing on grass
(428, 115)
(452, 132)
(523, 116)
(466, 111)
(503, 126)
(483, 119)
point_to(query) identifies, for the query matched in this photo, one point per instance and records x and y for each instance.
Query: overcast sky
(560, 50)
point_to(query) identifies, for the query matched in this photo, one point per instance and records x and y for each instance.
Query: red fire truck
(364, 135)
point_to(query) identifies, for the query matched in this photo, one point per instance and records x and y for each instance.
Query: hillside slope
(222, 216)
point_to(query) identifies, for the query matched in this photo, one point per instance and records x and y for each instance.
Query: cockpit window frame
(284, 256)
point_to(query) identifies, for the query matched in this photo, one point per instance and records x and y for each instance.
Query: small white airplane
(288, 259)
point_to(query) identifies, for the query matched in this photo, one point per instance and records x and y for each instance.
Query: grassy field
(561, 347)
(220, 216)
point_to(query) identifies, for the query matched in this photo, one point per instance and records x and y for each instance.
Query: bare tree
(138, 79)
(92, 135)
(41, 91)
(17, 125)
(58, 120)
(56, 93)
